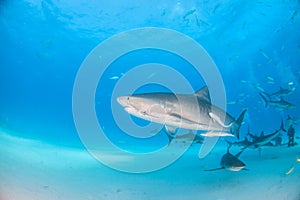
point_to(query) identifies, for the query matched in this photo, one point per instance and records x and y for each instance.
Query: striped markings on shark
(189, 111)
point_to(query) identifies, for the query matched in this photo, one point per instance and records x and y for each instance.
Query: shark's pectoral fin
(209, 170)
(219, 121)
(171, 129)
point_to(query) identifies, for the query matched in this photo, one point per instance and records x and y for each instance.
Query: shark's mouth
(236, 168)
(136, 112)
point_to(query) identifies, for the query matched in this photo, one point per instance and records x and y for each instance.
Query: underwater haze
(46, 44)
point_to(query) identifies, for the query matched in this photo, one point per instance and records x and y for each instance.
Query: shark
(189, 111)
(263, 139)
(231, 162)
(280, 93)
(241, 143)
(281, 104)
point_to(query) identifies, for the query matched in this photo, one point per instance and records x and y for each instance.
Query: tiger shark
(189, 111)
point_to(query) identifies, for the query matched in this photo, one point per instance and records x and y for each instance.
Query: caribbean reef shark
(261, 140)
(281, 104)
(189, 111)
(231, 162)
(280, 93)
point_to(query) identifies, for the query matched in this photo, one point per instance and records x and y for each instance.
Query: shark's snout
(123, 100)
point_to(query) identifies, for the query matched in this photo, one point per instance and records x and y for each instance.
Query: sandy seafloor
(34, 170)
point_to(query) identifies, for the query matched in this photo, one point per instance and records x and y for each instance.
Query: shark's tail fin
(263, 96)
(282, 126)
(228, 142)
(238, 123)
(229, 146)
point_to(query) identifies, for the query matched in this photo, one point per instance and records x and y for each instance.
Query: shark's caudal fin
(236, 128)
(282, 126)
(263, 96)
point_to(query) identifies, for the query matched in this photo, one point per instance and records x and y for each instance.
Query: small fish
(215, 8)
(233, 57)
(295, 13)
(270, 78)
(151, 75)
(270, 61)
(231, 102)
(297, 159)
(243, 81)
(190, 12)
(163, 13)
(197, 21)
(264, 54)
(257, 86)
(114, 77)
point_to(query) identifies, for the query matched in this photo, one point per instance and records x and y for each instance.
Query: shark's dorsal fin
(253, 136)
(239, 153)
(246, 140)
(262, 134)
(203, 94)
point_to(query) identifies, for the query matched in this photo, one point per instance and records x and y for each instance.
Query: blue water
(254, 44)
